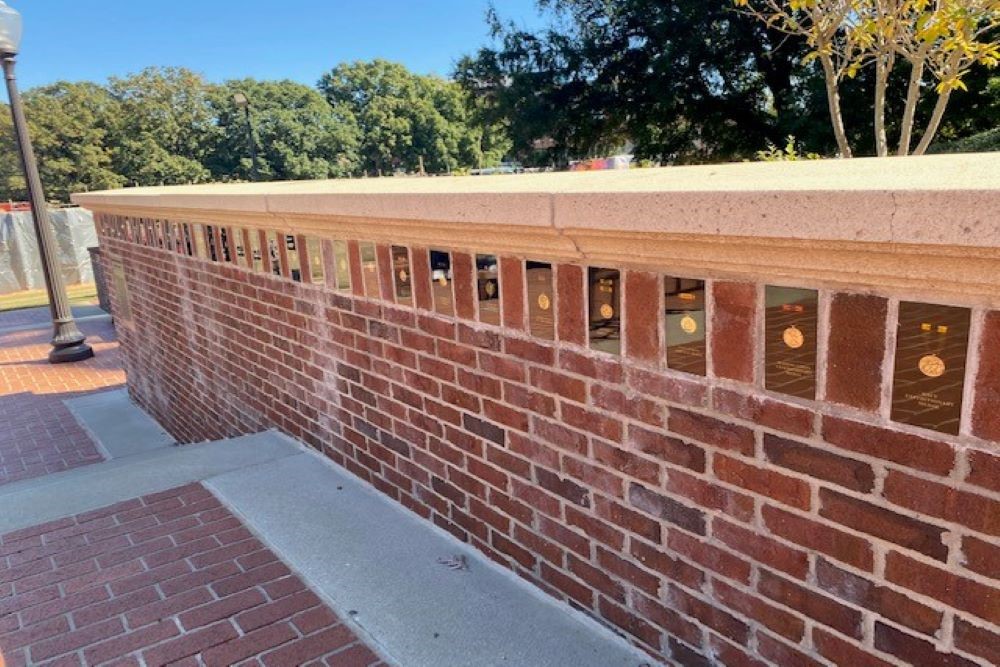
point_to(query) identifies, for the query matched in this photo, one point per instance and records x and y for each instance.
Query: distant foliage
(983, 142)
(165, 126)
(790, 152)
(297, 134)
(410, 122)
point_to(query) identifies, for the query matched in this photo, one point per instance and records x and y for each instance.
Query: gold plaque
(793, 337)
(442, 294)
(932, 366)
(932, 345)
(343, 273)
(488, 289)
(604, 330)
(539, 282)
(791, 328)
(401, 267)
(684, 324)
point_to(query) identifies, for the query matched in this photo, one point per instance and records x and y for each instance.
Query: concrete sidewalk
(407, 589)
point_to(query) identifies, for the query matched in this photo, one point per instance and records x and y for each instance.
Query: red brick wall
(705, 518)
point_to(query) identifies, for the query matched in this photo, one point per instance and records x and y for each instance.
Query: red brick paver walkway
(38, 434)
(171, 578)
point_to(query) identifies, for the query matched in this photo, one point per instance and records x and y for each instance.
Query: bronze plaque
(541, 302)
(273, 253)
(177, 242)
(240, 249)
(292, 254)
(226, 243)
(342, 265)
(314, 250)
(604, 319)
(200, 242)
(256, 254)
(123, 304)
(402, 276)
(929, 378)
(369, 270)
(684, 322)
(790, 341)
(214, 241)
(488, 287)
(441, 278)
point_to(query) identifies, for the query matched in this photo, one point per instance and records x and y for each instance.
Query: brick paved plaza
(168, 578)
(39, 435)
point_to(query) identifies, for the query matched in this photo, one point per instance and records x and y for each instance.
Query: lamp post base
(78, 352)
(68, 343)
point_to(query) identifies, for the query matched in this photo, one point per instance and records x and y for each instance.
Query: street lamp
(68, 344)
(243, 102)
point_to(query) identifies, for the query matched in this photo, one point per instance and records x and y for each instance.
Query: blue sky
(80, 40)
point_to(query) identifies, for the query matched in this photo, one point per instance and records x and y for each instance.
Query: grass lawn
(78, 294)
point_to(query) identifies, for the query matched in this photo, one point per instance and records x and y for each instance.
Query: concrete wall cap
(931, 200)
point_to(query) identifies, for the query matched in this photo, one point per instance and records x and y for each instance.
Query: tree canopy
(167, 126)
(941, 41)
(407, 121)
(685, 80)
(297, 134)
(682, 80)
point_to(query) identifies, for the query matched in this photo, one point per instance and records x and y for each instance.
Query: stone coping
(902, 223)
(871, 199)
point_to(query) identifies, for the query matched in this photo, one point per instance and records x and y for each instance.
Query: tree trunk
(934, 124)
(910, 112)
(833, 99)
(883, 64)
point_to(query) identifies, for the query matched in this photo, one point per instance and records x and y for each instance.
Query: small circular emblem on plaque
(443, 281)
(491, 288)
(544, 302)
(403, 276)
(688, 324)
(932, 366)
(793, 337)
(607, 312)
(343, 265)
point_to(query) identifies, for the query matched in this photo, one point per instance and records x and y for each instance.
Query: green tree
(165, 132)
(684, 80)
(939, 40)
(407, 120)
(296, 133)
(69, 125)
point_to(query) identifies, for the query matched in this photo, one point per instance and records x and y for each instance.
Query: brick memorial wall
(733, 449)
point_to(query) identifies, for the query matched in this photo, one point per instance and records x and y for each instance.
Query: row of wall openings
(300, 258)
(931, 343)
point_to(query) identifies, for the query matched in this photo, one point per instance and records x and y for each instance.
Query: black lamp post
(243, 102)
(68, 344)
